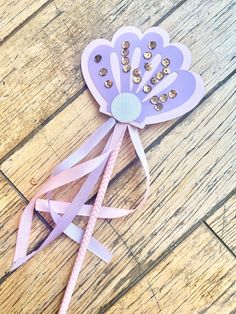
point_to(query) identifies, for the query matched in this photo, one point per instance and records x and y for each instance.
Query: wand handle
(90, 227)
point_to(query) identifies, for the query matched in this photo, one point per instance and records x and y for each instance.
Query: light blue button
(126, 107)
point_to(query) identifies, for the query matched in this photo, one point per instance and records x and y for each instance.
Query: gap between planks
(119, 174)
(78, 93)
(218, 238)
(17, 28)
(40, 9)
(167, 252)
(197, 277)
(171, 248)
(31, 129)
(12, 185)
(156, 142)
(132, 162)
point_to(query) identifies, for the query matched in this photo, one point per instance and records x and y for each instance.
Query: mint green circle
(126, 107)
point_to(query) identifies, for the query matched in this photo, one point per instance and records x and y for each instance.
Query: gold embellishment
(147, 55)
(154, 100)
(103, 72)
(97, 58)
(147, 89)
(163, 98)
(158, 107)
(108, 84)
(165, 62)
(148, 66)
(152, 44)
(172, 94)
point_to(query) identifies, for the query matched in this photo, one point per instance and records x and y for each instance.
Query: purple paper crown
(141, 78)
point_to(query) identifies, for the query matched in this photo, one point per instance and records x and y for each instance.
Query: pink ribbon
(61, 207)
(67, 171)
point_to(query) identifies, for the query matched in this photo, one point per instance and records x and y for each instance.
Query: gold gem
(154, 80)
(158, 107)
(97, 58)
(147, 89)
(147, 55)
(159, 76)
(165, 62)
(148, 66)
(166, 71)
(172, 93)
(125, 60)
(154, 100)
(137, 79)
(163, 98)
(124, 52)
(108, 84)
(136, 72)
(103, 72)
(152, 44)
(126, 68)
(125, 44)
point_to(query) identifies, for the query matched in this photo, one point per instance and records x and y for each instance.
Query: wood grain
(13, 15)
(42, 60)
(42, 280)
(11, 206)
(197, 277)
(192, 161)
(223, 223)
(191, 171)
(41, 70)
(73, 125)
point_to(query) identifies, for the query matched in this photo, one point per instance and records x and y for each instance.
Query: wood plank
(42, 280)
(223, 223)
(13, 14)
(191, 171)
(42, 61)
(11, 206)
(197, 277)
(72, 126)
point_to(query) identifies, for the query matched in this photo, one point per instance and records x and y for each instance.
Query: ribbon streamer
(66, 172)
(155, 87)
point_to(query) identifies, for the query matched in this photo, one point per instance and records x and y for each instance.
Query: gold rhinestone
(154, 80)
(137, 79)
(166, 71)
(163, 98)
(147, 89)
(125, 44)
(126, 68)
(108, 84)
(148, 66)
(152, 44)
(124, 52)
(172, 93)
(136, 72)
(147, 55)
(159, 76)
(158, 107)
(103, 72)
(97, 58)
(125, 60)
(165, 62)
(154, 100)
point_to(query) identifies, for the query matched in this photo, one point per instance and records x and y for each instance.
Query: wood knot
(33, 181)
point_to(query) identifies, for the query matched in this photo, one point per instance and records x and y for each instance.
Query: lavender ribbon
(63, 213)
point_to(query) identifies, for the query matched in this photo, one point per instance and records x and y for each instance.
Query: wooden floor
(176, 255)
